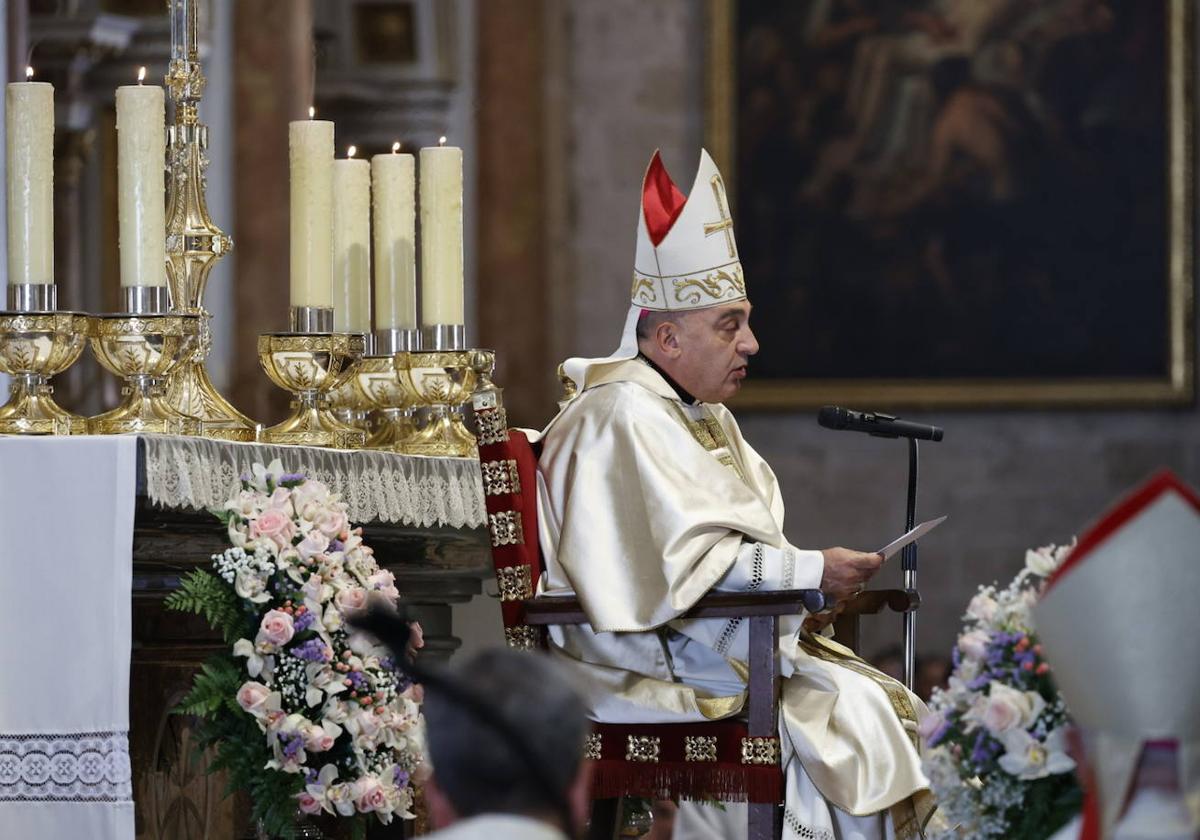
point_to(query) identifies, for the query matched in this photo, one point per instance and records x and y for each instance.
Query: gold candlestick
(143, 350)
(34, 346)
(443, 381)
(310, 365)
(378, 383)
(194, 242)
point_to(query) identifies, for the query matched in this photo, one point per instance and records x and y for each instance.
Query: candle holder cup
(144, 350)
(311, 366)
(35, 346)
(442, 382)
(377, 381)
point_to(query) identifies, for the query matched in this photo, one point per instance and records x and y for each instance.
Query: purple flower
(292, 743)
(292, 479)
(314, 650)
(304, 621)
(336, 545)
(310, 776)
(358, 680)
(399, 777)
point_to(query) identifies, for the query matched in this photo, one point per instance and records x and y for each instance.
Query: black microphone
(874, 423)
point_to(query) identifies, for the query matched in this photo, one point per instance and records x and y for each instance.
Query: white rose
(974, 644)
(1041, 562)
(982, 607)
(1007, 709)
(251, 587)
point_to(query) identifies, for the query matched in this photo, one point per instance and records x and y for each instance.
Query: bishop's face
(712, 350)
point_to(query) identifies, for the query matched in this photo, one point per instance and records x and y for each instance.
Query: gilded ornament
(760, 750)
(700, 748)
(523, 637)
(717, 285)
(643, 748)
(592, 747)
(506, 528)
(492, 426)
(500, 478)
(515, 583)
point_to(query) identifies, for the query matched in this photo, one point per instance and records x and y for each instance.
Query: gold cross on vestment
(726, 223)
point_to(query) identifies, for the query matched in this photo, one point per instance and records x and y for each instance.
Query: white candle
(310, 157)
(393, 181)
(441, 236)
(29, 111)
(351, 245)
(141, 156)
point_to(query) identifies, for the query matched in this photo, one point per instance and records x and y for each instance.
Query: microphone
(874, 423)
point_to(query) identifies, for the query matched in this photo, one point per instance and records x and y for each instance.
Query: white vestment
(498, 827)
(646, 503)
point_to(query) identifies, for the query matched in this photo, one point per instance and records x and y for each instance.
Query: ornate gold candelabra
(311, 365)
(194, 242)
(377, 381)
(442, 381)
(34, 346)
(143, 349)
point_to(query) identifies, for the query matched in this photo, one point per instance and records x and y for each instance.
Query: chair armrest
(554, 609)
(874, 601)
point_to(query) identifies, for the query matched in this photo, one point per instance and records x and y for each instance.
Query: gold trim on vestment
(719, 708)
(709, 433)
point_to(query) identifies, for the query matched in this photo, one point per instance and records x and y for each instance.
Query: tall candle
(141, 157)
(351, 245)
(441, 236)
(393, 182)
(310, 157)
(29, 114)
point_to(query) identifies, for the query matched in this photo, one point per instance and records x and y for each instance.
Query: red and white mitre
(686, 255)
(1120, 625)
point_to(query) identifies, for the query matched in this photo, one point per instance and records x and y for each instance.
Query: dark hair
(475, 767)
(649, 322)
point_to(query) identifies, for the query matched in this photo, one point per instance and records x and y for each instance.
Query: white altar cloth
(66, 513)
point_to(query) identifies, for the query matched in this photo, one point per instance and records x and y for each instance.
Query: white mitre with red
(686, 255)
(1120, 623)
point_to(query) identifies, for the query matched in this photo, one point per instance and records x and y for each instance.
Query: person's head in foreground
(1115, 621)
(477, 772)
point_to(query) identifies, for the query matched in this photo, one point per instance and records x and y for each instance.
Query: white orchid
(1027, 758)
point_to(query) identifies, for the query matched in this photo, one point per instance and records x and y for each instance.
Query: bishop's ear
(666, 336)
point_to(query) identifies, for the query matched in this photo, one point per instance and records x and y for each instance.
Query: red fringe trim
(690, 780)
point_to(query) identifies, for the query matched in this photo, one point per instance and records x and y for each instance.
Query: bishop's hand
(847, 572)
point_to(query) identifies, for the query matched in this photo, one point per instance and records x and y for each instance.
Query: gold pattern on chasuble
(515, 583)
(643, 748)
(700, 748)
(592, 746)
(500, 478)
(708, 433)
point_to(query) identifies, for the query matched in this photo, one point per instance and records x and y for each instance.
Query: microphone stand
(908, 563)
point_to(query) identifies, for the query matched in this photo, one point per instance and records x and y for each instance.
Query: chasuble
(645, 503)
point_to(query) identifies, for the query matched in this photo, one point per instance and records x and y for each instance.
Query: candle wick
(312, 112)
(396, 147)
(442, 141)
(28, 73)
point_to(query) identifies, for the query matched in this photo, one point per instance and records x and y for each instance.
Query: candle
(310, 157)
(29, 111)
(141, 153)
(351, 245)
(441, 235)
(393, 179)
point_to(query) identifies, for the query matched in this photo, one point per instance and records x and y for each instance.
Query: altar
(101, 530)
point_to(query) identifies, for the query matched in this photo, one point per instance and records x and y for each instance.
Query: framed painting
(960, 202)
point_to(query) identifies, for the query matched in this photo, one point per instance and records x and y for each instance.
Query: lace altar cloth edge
(412, 490)
(65, 767)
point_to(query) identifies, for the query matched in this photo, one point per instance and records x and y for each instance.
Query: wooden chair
(728, 759)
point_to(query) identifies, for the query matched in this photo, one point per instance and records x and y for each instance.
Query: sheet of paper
(912, 536)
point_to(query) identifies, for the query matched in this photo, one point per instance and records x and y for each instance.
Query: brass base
(191, 392)
(31, 410)
(394, 428)
(313, 424)
(144, 410)
(444, 435)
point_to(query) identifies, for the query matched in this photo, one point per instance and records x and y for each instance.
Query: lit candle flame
(442, 141)
(141, 75)
(28, 73)
(312, 111)
(396, 147)
(352, 151)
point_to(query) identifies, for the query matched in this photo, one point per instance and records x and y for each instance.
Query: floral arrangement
(303, 713)
(996, 736)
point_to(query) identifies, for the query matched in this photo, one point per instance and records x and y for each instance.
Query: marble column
(273, 60)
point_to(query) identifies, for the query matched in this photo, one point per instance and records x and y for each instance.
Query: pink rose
(275, 525)
(982, 607)
(1007, 709)
(385, 582)
(308, 803)
(281, 499)
(314, 543)
(316, 738)
(348, 600)
(369, 795)
(332, 522)
(276, 628)
(252, 697)
(366, 725)
(974, 644)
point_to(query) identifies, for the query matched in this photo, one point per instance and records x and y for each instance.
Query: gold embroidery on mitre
(643, 748)
(515, 583)
(646, 285)
(718, 285)
(725, 225)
